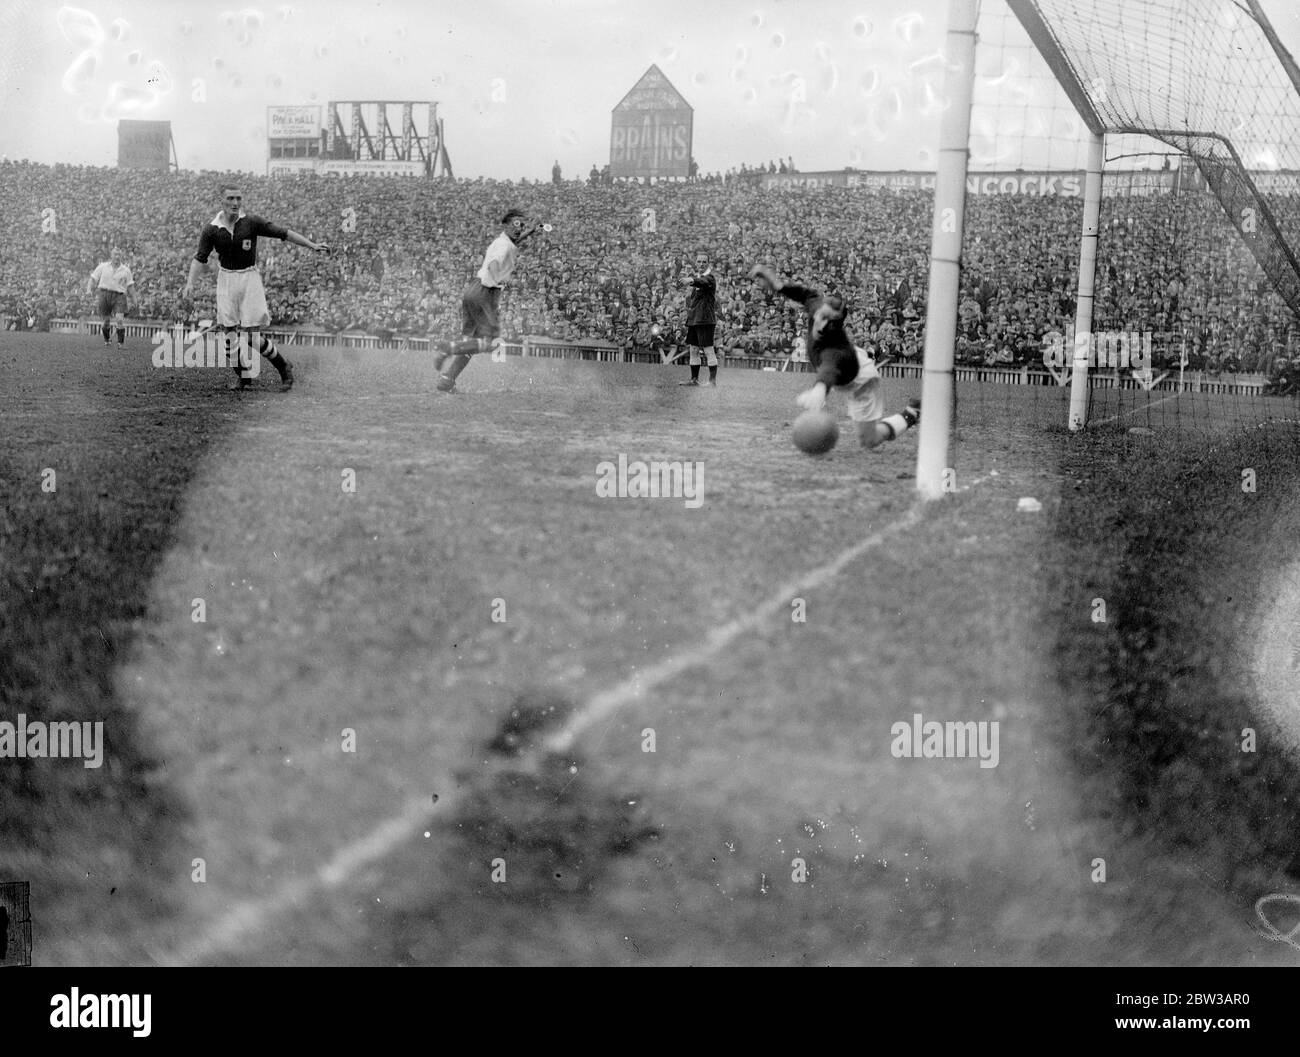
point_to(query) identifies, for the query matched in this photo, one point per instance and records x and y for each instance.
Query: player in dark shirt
(702, 318)
(839, 363)
(241, 299)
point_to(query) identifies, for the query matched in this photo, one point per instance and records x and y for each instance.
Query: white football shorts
(241, 301)
(865, 401)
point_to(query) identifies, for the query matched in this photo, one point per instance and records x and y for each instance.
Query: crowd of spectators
(611, 270)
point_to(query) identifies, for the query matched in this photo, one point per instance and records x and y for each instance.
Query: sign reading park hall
(650, 130)
(292, 122)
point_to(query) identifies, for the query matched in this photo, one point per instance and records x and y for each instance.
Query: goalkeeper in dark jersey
(840, 364)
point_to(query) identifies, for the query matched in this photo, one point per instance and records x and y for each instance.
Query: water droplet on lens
(78, 77)
(80, 27)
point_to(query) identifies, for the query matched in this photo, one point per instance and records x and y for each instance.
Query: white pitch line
(633, 688)
(252, 916)
(978, 481)
(144, 409)
(1135, 410)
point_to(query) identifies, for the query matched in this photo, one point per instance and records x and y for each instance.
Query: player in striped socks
(241, 298)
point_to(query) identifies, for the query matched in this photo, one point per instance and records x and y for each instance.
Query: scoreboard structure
(357, 138)
(650, 131)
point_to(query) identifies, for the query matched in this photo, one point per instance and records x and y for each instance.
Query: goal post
(1079, 389)
(938, 382)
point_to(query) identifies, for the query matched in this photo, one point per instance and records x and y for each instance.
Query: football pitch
(387, 679)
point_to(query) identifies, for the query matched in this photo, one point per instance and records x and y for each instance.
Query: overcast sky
(520, 83)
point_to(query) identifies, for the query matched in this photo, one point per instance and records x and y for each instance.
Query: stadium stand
(399, 269)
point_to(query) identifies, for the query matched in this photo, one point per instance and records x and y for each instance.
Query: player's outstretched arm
(531, 229)
(301, 240)
(768, 277)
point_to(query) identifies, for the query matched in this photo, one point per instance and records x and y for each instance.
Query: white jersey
(499, 261)
(114, 279)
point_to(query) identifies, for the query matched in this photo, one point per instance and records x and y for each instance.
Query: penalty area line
(252, 916)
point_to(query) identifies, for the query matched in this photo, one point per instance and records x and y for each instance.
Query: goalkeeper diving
(839, 363)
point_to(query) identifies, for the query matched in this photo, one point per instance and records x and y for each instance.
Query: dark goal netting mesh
(1197, 283)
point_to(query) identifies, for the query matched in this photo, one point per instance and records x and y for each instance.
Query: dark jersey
(238, 250)
(702, 301)
(832, 355)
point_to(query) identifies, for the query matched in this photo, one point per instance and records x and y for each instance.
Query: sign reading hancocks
(1064, 184)
(1040, 183)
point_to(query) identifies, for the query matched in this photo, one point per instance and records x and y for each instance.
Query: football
(815, 432)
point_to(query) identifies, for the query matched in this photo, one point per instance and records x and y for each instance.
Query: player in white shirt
(478, 304)
(115, 285)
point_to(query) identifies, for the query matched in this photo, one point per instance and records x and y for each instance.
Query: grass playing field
(501, 645)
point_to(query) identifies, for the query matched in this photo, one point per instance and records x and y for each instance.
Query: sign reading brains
(650, 130)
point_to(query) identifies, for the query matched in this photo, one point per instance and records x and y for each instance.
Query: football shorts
(111, 302)
(865, 401)
(241, 300)
(478, 310)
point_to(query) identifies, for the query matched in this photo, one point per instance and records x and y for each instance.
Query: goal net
(1190, 111)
